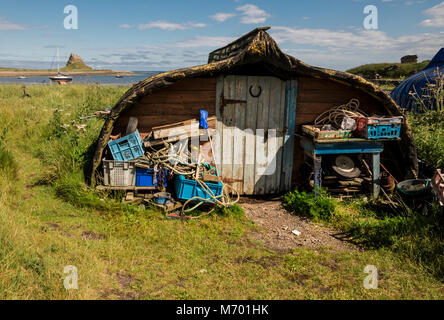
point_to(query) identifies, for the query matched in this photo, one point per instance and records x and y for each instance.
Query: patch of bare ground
(278, 224)
(89, 235)
(124, 292)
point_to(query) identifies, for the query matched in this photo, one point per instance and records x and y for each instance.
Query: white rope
(334, 116)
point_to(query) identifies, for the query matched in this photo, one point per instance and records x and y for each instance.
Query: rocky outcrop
(75, 62)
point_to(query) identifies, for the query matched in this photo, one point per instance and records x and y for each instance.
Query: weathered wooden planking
(239, 134)
(167, 109)
(251, 116)
(280, 135)
(261, 143)
(274, 142)
(178, 102)
(179, 128)
(306, 83)
(182, 97)
(228, 120)
(290, 124)
(219, 124)
(252, 159)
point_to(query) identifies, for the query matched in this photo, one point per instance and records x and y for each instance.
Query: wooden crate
(319, 134)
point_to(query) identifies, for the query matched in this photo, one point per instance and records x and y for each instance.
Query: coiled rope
(335, 116)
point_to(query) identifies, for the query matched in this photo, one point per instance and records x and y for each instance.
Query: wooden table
(317, 148)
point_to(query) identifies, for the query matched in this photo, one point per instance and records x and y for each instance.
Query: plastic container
(119, 173)
(162, 198)
(415, 187)
(187, 189)
(146, 178)
(127, 148)
(380, 128)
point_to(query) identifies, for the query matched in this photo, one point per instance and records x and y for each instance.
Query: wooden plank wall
(316, 96)
(178, 102)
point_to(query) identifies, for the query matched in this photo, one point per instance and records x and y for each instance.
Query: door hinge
(224, 102)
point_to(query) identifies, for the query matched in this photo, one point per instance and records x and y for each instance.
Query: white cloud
(6, 25)
(125, 26)
(221, 16)
(252, 14)
(345, 48)
(170, 26)
(436, 15)
(201, 41)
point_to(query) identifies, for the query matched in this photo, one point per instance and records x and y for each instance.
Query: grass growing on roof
(49, 218)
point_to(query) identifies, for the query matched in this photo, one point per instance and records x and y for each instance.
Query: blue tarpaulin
(417, 82)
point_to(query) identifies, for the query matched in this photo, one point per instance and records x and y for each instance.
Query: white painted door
(253, 135)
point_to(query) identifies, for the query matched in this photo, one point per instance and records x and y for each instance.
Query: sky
(164, 35)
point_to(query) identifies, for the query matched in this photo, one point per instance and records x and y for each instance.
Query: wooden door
(255, 126)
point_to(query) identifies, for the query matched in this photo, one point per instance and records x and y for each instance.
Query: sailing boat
(60, 78)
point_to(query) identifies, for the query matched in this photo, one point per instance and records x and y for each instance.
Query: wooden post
(375, 172)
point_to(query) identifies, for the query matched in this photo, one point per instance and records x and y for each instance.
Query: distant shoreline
(37, 73)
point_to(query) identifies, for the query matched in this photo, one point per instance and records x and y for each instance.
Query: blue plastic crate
(381, 128)
(127, 148)
(187, 189)
(384, 131)
(145, 177)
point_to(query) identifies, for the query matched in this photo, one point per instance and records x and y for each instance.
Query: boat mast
(58, 62)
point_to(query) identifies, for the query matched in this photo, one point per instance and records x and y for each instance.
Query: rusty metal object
(387, 181)
(224, 102)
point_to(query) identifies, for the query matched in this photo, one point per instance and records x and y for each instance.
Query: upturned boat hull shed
(263, 96)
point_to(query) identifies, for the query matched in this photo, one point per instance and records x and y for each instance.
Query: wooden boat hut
(251, 86)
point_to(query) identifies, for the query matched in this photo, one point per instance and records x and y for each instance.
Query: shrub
(320, 207)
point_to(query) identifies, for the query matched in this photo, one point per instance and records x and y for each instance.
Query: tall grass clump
(427, 122)
(416, 236)
(67, 150)
(431, 97)
(7, 163)
(319, 207)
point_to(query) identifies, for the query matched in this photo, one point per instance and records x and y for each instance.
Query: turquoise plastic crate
(187, 189)
(127, 148)
(380, 128)
(384, 131)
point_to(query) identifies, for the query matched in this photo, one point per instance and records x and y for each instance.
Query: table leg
(317, 173)
(376, 171)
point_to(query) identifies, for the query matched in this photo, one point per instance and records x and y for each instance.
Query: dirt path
(278, 226)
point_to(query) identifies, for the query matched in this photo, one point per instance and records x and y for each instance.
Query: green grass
(387, 87)
(49, 219)
(428, 131)
(372, 225)
(401, 71)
